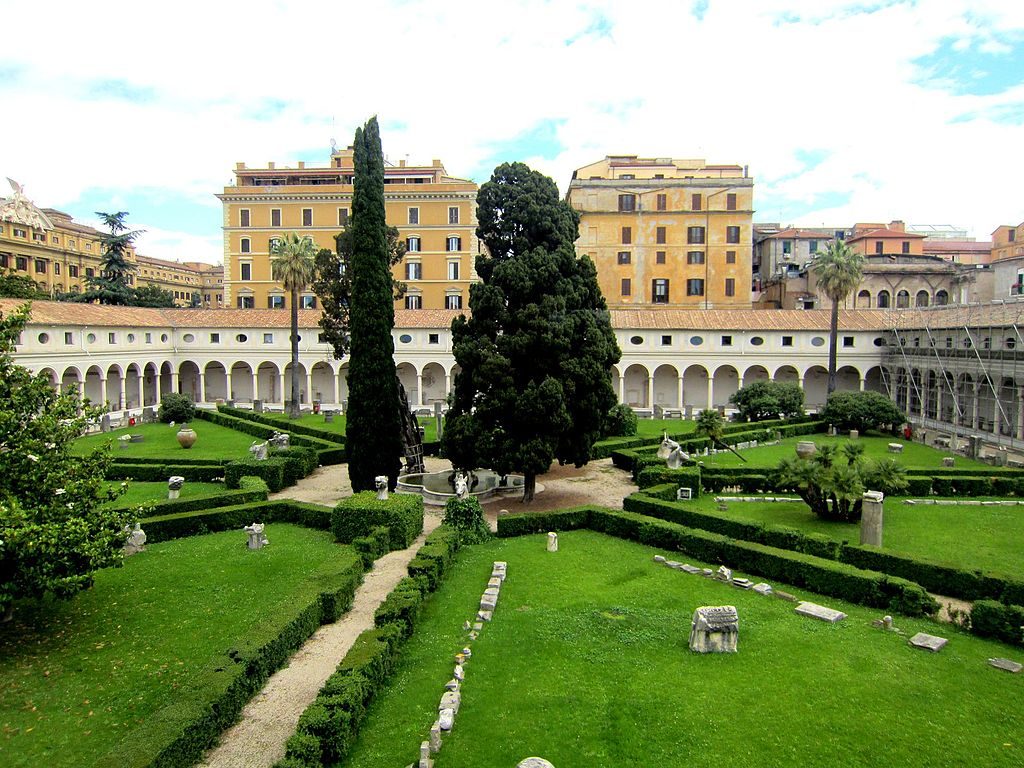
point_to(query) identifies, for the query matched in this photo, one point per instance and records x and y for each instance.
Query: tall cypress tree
(373, 428)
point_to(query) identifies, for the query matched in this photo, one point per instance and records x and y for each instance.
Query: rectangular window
(453, 270)
(307, 217)
(454, 244)
(453, 216)
(812, 247)
(40, 266)
(627, 235)
(695, 235)
(732, 234)
(19, 232)
(453, 300)
(727, 341)
(245, 245)
(56, 268)
(89, 272)
(666, 341)
(243, 217)
(1013, 235)
(69, 337)
(215, 338)
(695, 257)
(730, 286)
(695, 201)
(787, 341)
(72, 270)
(730, 201)
(730, 257)
(847, 341)
(625, 257)
(111, 338)
(414, 215)
(149, 338)
(414, 301)
(343, 217)
(413, 271)
(307, 302)
(412, 244)
(627, 203)
(695, 286)
(659, 291)
(906, 246)
(627, 287)
(662, 202)
(275, 302)
(787, 246)
(879, 247)
(659, 257)
(275, 217)
(246, 271)
(21, 263)
(268, 338)
(245, 302)
(660, 235)
(433, 338)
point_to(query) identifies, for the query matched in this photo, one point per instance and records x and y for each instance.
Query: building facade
(435, 215)
(1008, 241)
(666, 233)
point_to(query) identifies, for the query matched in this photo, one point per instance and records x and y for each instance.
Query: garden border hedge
(357, 515)
(328, 451)
(252, 490)
(293, 427)
(155, 473)
(179, 525)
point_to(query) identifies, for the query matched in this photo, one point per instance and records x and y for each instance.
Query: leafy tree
(14, 286)
(763, 400)
(838, 270)
(152, 296)
(333, 284)
(534, 356)
(466, 516)
(620, 422)
(177, 408)
(861, 411)
(374, 423)
(834, 489)
(292, 260)
(112, 285)
(711, 424)
(54, 532)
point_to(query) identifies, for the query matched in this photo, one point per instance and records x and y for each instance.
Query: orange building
(885, 240)
(1008, 241)
(666, 232)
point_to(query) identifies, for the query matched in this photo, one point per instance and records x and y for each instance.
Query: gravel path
(268, 721)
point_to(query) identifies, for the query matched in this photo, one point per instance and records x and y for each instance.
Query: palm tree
(839, 270)
(293, 264)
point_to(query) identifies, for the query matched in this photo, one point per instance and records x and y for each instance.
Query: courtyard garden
(337, 425)
(586, 662)
(214, 442)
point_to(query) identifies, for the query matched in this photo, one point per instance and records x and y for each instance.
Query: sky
(844, 111)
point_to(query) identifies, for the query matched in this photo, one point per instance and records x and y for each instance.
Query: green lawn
(213, 442)
(143, 493)
(586, 663)
(77, 677)
(338, 425)
(914, 454)
(971, 537)
(654, 427)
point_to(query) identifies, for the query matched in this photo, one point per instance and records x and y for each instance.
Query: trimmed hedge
(683, 477)
(184, 460)
(157, 473)
(330, 452)
(253, 490)
(271, 470)
(328, 728)
(435, 557)
(176, 526)
(823, 576)
(359, 514)
(198, 715)
(374, 545)
(935, 577)
(1002, 622)
(292, 427)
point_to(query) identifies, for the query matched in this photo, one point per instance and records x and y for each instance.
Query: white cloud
(752, 83)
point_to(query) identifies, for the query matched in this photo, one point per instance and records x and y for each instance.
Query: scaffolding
(959, 369)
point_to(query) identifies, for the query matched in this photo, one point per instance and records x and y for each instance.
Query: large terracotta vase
(805, 449)
(187, 437)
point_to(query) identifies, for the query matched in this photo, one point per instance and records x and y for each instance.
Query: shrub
(177, 408)
(467, 517)
(763, 400)
(861, 410)
(357, 515)
(373, 546)
(919, 486)
(524, 523)
(1002, 622)
(688, 477)
(271, 470)
(620, 421)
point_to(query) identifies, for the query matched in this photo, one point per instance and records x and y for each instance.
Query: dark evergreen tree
(373, 427)
(333, 285)
(153, 296)
(535, 355)
(113, 283)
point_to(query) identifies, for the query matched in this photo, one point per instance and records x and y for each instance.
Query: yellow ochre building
(666, 233)
(435, 214)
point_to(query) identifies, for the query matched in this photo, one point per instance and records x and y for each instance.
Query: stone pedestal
(552, 542)
(714, 629)
(257, 406)
(854, 434)
(871, 518)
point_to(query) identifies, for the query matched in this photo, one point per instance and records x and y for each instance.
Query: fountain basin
(437, 487)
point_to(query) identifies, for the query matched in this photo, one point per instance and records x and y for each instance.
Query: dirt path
(268, 721)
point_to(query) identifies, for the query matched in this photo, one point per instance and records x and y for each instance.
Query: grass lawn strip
(80, 676)
(161, 441)
(589, 664)
(147, 493)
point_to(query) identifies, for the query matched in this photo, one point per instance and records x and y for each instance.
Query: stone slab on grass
(1007, 665)
(927, 642)
(820, 612)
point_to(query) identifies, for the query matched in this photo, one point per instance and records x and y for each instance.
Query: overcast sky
(844, 111)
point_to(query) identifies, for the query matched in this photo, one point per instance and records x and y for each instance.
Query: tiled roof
(794, 233)
(882, 234)
(956, 246)
(1009, 312)
(747, 319)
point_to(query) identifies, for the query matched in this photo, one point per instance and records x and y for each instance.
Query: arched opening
(726, 383)
(864, 299)
(166, 379)
(71, 379)
(1010, 415)
(847, 379)
(941, 297)
(695, 387)
(615, 378)
(324, 390)
(873, 381)
(883, 300)
(787, 374)
(241, 383)
(94, 387)
(268, 383)
(113, 392)
(303, 397)
(754, 374)
(188, 381)
(637, 377)
(343, 385)
(903, 299)
(433, 384)
(150, 384)
(967, 398)
(921, 300)
(666, 386)
(407, 375)
(132, 387)
(815, 387)
(215, 382)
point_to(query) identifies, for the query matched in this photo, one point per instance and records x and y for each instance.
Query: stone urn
(187, 437)
(806, 448)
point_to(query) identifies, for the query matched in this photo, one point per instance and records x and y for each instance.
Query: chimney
(239, 166)
(302, 164)
(436, 163)
(270, 166)
(897, 226)
(401, 163)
